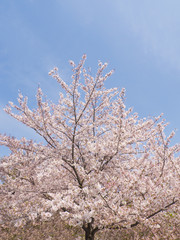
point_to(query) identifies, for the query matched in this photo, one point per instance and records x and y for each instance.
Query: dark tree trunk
(89, 231)
(89, 235)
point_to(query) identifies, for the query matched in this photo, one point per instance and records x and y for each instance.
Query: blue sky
(139, 39)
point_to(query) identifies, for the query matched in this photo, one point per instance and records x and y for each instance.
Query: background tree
(101, 167)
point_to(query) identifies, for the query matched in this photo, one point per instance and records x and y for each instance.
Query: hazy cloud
(155, 23)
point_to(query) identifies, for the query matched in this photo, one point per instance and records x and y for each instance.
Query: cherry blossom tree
(99, 165)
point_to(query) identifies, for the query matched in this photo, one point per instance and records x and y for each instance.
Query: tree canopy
(101, 167)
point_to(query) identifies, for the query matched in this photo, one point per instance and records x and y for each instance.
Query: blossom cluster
(101, 164)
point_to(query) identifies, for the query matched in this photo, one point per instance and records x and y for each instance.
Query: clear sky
(139, 39)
